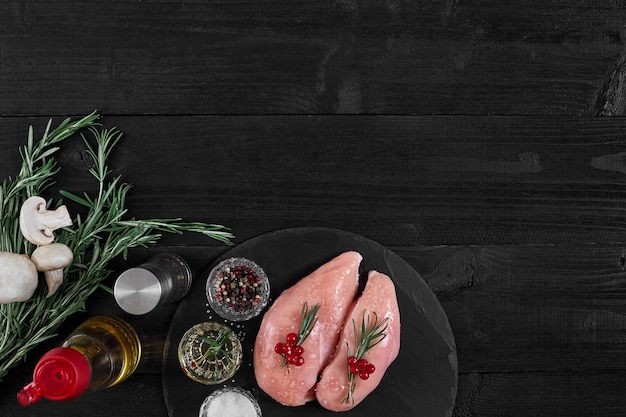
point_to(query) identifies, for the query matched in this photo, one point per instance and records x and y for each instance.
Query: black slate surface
(422, 379)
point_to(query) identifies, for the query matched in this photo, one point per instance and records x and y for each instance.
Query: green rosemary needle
(216, 346)
(369, 336)
(308, 318)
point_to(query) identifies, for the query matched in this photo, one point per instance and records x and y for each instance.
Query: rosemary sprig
(216, 346)
(100, 235)
(369, 336)
(308, 318)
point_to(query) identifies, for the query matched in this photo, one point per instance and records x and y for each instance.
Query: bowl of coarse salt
(230, 402)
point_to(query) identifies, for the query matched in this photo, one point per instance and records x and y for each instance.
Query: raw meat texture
(378, 296)
(334, 286)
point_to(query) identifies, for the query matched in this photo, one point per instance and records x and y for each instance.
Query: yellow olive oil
(111, 346)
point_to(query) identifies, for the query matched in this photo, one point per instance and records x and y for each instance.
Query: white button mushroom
(51, 259)
(37, 223)
(18, 278)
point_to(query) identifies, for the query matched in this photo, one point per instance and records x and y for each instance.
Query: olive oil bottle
(98, 354)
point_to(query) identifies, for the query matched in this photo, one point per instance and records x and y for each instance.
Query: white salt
(228, 403)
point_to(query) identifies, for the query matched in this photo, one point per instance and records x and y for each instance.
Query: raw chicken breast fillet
(334, 286)
(378, 296)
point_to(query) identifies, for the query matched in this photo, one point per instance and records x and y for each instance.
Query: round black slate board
(421, 381)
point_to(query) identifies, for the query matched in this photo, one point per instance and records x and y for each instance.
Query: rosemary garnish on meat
(308, 320)
(365, 338)
(292, 349)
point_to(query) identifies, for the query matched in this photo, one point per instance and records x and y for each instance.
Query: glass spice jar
(230, 401)
(237, 289)
(210, 353)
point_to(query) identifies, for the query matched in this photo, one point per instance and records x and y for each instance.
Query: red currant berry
(292, 338)
(278, 348)
(370, 368)
(286, 350)
(362, 363)
(298, 360)
(354, 370)
(352, 360)
(298, 350)
(364, 375)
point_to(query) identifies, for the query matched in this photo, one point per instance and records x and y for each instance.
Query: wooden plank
(420, 180)
(140, 395)
(560, 394)
(531, 308)
(393, 57)
(527, 394)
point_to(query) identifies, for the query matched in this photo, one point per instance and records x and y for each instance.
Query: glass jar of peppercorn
(237, 289)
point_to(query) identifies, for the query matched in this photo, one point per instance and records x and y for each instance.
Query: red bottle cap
(61, 374)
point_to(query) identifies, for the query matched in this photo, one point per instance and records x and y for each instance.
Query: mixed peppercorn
(238, 287)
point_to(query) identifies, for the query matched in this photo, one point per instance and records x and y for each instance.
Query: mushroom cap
(37, 223)
(53, 256)
(18, 278)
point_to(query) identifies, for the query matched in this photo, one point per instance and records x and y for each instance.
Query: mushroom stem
(54, 279)
(51, 259)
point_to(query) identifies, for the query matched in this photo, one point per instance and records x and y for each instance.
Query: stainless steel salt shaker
(164, 278)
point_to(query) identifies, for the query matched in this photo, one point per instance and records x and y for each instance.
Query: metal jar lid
(164, 278)
(138, 291)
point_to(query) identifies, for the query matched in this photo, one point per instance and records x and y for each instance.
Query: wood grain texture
(540, 394)
(511, 394)
(139, 396)
(399, 180)
(311, 57)
(531, 308)
(463, 135)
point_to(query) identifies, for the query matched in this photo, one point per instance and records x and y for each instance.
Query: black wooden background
(483, 141)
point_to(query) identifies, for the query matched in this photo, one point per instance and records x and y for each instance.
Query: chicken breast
(333, 286)
(379, 296)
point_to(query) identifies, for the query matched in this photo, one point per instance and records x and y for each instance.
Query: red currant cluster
(361, 367)
(290, 351)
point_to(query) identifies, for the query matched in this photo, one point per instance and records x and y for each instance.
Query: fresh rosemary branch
(216, 346)
(308, 320)
(36, 174)
(102, 234)
(369, 336)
